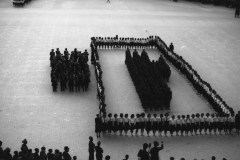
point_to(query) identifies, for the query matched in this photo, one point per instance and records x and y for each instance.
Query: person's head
(155, 143)
(15, 152)
(132, 115)
(126, 156)
(109, 115)
(154, 115)
(173, 117)
(43, 148)
(91, 138)
(24, 141)
(121, 115)
(36, 150)
(107, 157)
(0, 143)
(213, 158)
(145, 146)
(50, 150)
(7, 150)
(126, 115)
(178, 116)
(115, 115)
(202, 115)
(74, 157)
(98, 143)
(182, 159)
(97, 115)
(171, 158)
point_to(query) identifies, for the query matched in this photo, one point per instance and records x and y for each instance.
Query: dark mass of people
(20, 3)
(201, 86)
(226, 3)
(164, 124)
(70, 70)
(38, 154)
(149, 78)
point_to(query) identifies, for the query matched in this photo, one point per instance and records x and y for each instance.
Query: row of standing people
(39, 154)
(70, 70)
(128, 42)
(181, 124)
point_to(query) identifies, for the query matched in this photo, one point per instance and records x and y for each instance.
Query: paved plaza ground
(208, 37)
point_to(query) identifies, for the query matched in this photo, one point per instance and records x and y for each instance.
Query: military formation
(164, 124)
(201, 86)
(38, 154)
(69, 70)
(149, 78)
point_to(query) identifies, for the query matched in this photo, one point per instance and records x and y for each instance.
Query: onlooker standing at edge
(91, 147)
(155, 151)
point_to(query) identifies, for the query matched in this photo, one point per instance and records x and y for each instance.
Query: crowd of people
(149, 78)
(201, 86)
(69, 70)
(123, 43)
(38, 154)
(227, 3)
(164, 124)
(20, 3)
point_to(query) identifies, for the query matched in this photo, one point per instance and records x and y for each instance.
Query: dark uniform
(91, 147)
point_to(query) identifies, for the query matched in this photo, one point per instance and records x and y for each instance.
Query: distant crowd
(37, 154)
(226, 3)
(70, 70)
(148, 152)
(164, 124)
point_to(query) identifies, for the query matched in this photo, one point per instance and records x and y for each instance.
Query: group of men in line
(150, 79)
(70, 70)
(163, 123)
(124, 43)
(28, 154)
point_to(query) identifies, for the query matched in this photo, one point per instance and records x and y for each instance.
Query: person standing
(154, 152)
(143, 153)
(99, 151)
(91, 147)
(66, 155)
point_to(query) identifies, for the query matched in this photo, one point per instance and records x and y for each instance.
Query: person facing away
(91, 147)
(143, 153)
(154, 152)
(99, 151)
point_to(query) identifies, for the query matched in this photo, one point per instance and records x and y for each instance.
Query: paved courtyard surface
(207, 37)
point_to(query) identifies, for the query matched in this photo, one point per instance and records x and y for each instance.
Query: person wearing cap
(24, 147)
(91, 148)
(99, 151)
(66, 155)
(143, 153)
(154, 152)
(43, 155)
(107, 157)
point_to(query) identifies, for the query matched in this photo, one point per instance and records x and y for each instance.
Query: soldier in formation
(69, 70)
(149, 78)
